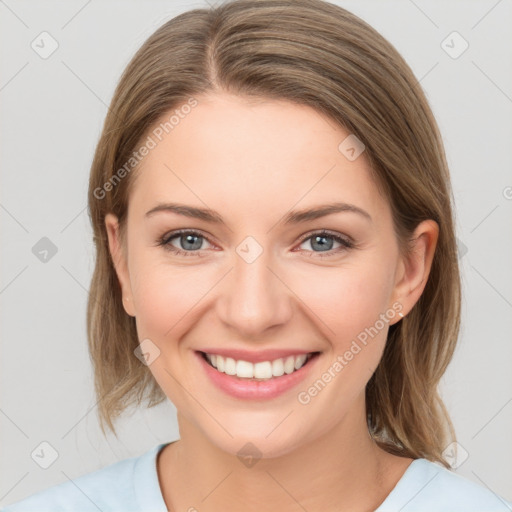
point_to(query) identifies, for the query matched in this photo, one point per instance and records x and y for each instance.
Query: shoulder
(112, 488)
(102, 489)
(429, 487)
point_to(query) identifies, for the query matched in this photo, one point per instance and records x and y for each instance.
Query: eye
(321, 241)
(189, 242)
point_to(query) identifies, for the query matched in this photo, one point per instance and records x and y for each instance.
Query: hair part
(324, 57)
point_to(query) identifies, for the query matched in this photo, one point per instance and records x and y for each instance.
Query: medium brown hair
(316, 54)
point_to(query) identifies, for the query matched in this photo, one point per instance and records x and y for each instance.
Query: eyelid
(167, 237)
(346, 241)
(327, 232)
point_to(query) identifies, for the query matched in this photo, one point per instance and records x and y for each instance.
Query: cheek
(347, 299)
(352, 304)
(163, 296)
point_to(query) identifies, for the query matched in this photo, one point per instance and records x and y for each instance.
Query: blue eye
(191, 242)
(186, 240)
(318, 240)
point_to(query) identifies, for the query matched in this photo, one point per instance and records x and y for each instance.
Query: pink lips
(255, 389)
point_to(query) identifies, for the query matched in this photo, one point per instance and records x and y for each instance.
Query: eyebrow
(294, 217)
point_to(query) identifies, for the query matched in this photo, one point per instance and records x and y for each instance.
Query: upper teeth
(262, 370)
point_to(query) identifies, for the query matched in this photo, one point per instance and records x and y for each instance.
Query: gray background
(52, 112)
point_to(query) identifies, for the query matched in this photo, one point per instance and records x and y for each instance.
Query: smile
(265, 377)
(262, 370)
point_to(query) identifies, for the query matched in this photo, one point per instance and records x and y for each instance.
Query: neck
(342, 470)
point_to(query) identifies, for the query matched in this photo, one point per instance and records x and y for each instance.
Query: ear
(118, 254)
(414, 268)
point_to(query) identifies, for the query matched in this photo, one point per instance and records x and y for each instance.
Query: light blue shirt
(132, 485)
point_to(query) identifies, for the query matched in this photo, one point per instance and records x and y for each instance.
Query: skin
(253, 161)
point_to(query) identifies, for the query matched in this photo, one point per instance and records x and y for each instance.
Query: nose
(254, 298)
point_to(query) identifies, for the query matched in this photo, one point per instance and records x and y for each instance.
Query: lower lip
(256, 389)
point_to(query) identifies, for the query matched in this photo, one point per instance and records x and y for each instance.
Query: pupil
(322, 246)
(189, 239)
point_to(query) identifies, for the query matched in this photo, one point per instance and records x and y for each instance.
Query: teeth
(277, 368)
(300, 360)
(262, 370)
(230, 366)
(244, 369)
(289, 364)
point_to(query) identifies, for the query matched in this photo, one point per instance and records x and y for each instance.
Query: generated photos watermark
(152, 140)
(342, 360)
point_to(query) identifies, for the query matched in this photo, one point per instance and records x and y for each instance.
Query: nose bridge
(254, 299)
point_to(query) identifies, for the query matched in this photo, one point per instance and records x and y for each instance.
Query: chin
(261, 436)
(252, 449)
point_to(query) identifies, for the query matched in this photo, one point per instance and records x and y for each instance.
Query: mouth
(271, 369)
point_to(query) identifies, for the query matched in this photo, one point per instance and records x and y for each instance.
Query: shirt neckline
(150, 498)
(402, 482)
(145, 481)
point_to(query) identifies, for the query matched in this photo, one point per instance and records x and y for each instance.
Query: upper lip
(256, 357)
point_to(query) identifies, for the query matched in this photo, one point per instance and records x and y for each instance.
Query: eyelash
(166, 239)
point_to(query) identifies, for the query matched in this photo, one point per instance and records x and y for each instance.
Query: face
(257, 283)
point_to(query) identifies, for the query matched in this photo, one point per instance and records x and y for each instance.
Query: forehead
(251, 154)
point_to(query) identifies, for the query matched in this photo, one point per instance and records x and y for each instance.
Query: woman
(276, 255)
